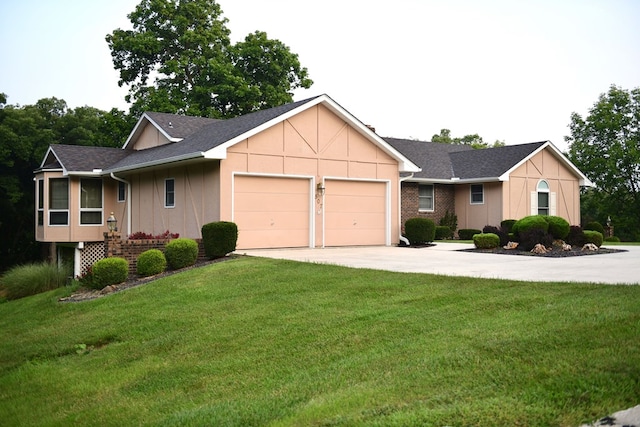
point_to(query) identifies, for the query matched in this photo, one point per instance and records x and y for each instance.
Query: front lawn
(269, 342)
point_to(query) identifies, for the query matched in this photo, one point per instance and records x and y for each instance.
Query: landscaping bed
(555, 252)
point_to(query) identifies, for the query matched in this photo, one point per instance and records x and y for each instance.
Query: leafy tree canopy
(183, 46)
(474, 140)
(605, 145)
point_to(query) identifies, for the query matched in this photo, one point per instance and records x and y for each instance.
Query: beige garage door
(355, 213)
(271, 212)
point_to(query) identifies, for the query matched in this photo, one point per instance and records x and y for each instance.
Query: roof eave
(159, 162)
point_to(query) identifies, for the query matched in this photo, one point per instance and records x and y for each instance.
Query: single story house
(304, 174)
(484, 187)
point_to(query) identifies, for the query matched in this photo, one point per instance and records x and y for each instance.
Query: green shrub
(530, 238)
(219, 238)
(443, 232)
(502, 235)
(109, 271)
(486, 240)
(467, 233)
(449, 220)
(612, 239)
(507, 224)
(594, 226)
(181, 253)
(575, 236)
(26, 280)
(592, 236)
(530, 222)
(420, 230)
(151, 262)
(558, 227)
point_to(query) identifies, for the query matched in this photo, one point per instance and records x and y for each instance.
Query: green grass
(270, 342)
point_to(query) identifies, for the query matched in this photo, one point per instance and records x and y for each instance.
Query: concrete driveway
(445, 258)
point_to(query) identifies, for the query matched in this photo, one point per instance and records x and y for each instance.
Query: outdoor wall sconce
(112, 223)
(320, 189)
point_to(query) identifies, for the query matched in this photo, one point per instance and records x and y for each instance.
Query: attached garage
(272, 211)
(356, 213)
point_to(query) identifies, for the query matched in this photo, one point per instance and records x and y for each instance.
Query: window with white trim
(425, 197)
(543, 198)
(122, 191)
(40, 213)
(477, 194)
(169, 193)
(58, 201)
(90, 201)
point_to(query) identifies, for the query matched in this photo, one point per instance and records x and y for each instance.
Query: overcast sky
(508, 70)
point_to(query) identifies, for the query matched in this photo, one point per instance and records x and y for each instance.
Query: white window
(543, 198)
(40, 202)
(477, 194)
(425, 197)
(58, 201)
(91, 201)
(122, 191)
(169, 193)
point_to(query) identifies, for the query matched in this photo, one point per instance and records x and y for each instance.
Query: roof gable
(491, 163)
(173, 127)
(81, 160)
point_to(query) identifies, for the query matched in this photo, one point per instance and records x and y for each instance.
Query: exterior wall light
(320, 189)
(112, 223)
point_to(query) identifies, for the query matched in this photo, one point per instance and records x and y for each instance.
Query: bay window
(58, 201)
(90, 201)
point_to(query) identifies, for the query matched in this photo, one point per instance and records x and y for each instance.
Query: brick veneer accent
(131, 249)
(443, 199)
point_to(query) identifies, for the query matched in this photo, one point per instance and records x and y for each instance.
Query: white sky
(505, 69)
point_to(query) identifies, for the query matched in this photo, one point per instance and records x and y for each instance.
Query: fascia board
(159, 162)
(453, 180)
(140, 126)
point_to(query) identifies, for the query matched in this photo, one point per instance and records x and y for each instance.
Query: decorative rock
(108, 290)
(589, 247)
(566, 247)
(511, 245)
(539, 249)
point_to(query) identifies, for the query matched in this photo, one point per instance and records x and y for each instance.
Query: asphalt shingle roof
(79, 158)
(179, 126)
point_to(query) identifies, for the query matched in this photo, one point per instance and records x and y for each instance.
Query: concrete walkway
(445, 258)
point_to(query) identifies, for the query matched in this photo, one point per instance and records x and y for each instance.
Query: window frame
(91, 209)
(540, 191)
(121, 191)
(472, 193)
(431, 198)
(170, 193)
(40, 201)
(54, 211)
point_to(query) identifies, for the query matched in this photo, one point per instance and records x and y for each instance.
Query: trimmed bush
(507, 224)
(181, 253)
(486, 240)
(528, 239)
(31, 279)
(467, 233)
(151, 262)
(219, 238)
(420, 230)
(575, 236)
(592, 236)
(443, 232)
(594, 226)
(614, 239)
(109, 271)
(504, 236)
(528, 223)
(558, 227)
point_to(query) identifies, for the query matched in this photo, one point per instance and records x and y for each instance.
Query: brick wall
(131, 249)
(443, 196)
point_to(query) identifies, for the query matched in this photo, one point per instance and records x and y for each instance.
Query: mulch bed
(86, 294)
(555, 253)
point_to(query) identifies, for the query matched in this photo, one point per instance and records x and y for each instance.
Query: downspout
(400, 181)
(128, 201)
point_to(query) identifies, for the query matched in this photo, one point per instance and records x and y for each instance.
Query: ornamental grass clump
(108, 271)
(486, 240)
(31, 279)
(181, 253)
(150, 263)
(420, 230)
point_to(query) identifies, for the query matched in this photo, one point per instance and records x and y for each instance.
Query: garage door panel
(364, 203)
(253, 202)
(269, 221)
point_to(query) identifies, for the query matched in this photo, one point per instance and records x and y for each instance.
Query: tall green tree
(474, 140)
(178, 58)
(605, 145)
(25, 134)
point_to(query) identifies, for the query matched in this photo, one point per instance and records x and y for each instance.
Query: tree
(606, 147)
(184, 45)
(474, 140)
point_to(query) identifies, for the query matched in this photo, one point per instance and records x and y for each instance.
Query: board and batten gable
(302, 158)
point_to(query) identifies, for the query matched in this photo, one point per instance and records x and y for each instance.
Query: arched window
(543, 198)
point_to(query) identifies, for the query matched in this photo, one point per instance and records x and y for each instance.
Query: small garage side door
(271, 212)
(355, 213)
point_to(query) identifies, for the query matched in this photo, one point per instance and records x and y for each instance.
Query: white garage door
(271, 212)
(355, 213)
